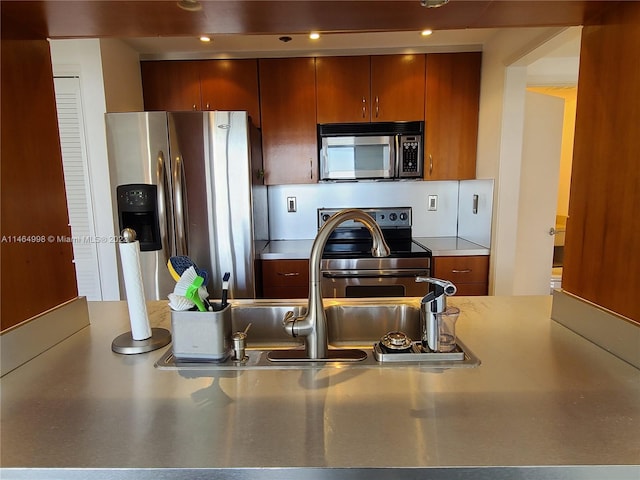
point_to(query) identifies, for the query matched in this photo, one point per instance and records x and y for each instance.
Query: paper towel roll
(132, 272)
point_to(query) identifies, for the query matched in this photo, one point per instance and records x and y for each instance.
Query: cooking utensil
(225, 288)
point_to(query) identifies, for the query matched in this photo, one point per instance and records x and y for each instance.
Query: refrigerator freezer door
(138, 151)
(188, 138)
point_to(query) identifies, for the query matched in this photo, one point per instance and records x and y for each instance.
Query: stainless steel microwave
(371, 151)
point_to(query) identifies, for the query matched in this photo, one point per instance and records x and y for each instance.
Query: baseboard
(30, 338)
(616, 334)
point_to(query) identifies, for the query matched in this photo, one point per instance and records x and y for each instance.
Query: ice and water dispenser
(138, 210)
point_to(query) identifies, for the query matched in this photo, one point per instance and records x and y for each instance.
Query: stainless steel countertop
(451, 246)
(545, 403)
(439, 246)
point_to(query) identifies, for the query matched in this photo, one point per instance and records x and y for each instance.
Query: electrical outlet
(432, 203)
(292, 204)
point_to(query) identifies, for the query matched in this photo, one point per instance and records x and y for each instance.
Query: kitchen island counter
(544, 403)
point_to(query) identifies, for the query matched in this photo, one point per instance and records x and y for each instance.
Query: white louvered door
(78, 187)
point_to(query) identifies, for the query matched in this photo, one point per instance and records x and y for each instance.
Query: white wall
(500, 133)
(83, 58)
(303, 223)
(122, 79)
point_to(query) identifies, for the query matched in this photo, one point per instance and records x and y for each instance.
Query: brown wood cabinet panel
(602, 258)
(379, 88)
(288, 108)
(283, 273)
(171, 85)
(470, 274)
(37, 273)
(397, 88)
(451, 115)
(471, 289)
(343, 89)
(230, 85)
(285, 278)
(286, 292)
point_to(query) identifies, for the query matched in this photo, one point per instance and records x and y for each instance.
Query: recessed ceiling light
(205, 38)
(433, 3)
(426, 32)
(190, 5)
(314, 35)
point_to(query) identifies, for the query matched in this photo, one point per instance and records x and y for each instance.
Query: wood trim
(602, 258)
(38, 274)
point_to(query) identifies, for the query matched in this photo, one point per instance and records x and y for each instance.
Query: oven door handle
(404, 273)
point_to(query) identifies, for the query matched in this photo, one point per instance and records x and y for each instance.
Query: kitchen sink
(352, 324)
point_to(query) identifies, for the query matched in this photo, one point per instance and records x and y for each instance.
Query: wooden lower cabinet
(469, 274)
(285, 278)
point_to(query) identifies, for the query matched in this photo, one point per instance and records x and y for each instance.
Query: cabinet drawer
(286, 292)
(461, 270)
(471, 289)
(285, 273)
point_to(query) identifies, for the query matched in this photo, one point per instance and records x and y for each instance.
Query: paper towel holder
(125, 344)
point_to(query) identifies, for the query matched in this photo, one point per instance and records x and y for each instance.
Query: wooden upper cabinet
(288, 107)
(380, 88)
(451, 115)
(343, 89)
(230, 85)
(202, 85)
(397, 88)
(172, 86)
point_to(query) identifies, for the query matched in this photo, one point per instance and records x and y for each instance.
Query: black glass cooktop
(356, 243)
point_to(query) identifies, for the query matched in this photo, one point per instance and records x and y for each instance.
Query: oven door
(357, 157)
(373, 283)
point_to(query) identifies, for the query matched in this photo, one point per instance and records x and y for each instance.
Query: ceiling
(160, 29)
(164, 18)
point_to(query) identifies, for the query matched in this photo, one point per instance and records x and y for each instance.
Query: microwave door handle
(397, 156)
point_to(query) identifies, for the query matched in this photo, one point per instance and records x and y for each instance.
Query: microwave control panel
(410, 158)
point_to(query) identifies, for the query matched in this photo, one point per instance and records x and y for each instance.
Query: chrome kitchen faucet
(313, 324)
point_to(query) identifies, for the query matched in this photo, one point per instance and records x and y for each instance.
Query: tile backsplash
(442, 222)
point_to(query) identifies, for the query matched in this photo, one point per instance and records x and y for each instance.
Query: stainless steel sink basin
(362, 324)
(351, 323)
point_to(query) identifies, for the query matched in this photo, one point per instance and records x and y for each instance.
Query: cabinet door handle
(289, 274)
(194, 107)
(364, 107)
(311, 169)
(377, 106)
(430, 164)
(466, 270)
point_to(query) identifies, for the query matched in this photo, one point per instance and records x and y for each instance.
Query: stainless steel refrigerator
(190, 184)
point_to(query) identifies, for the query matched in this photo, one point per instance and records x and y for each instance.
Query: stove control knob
(393, 217)
(404, 216)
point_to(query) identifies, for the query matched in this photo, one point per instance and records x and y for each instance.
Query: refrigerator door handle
(163, 214)
(179, 191)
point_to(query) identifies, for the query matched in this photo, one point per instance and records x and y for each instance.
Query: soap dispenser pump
(431, 305)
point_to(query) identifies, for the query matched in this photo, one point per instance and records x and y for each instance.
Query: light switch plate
(292, 204)
(432, 203)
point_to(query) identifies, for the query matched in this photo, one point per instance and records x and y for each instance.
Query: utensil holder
(202, 336)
